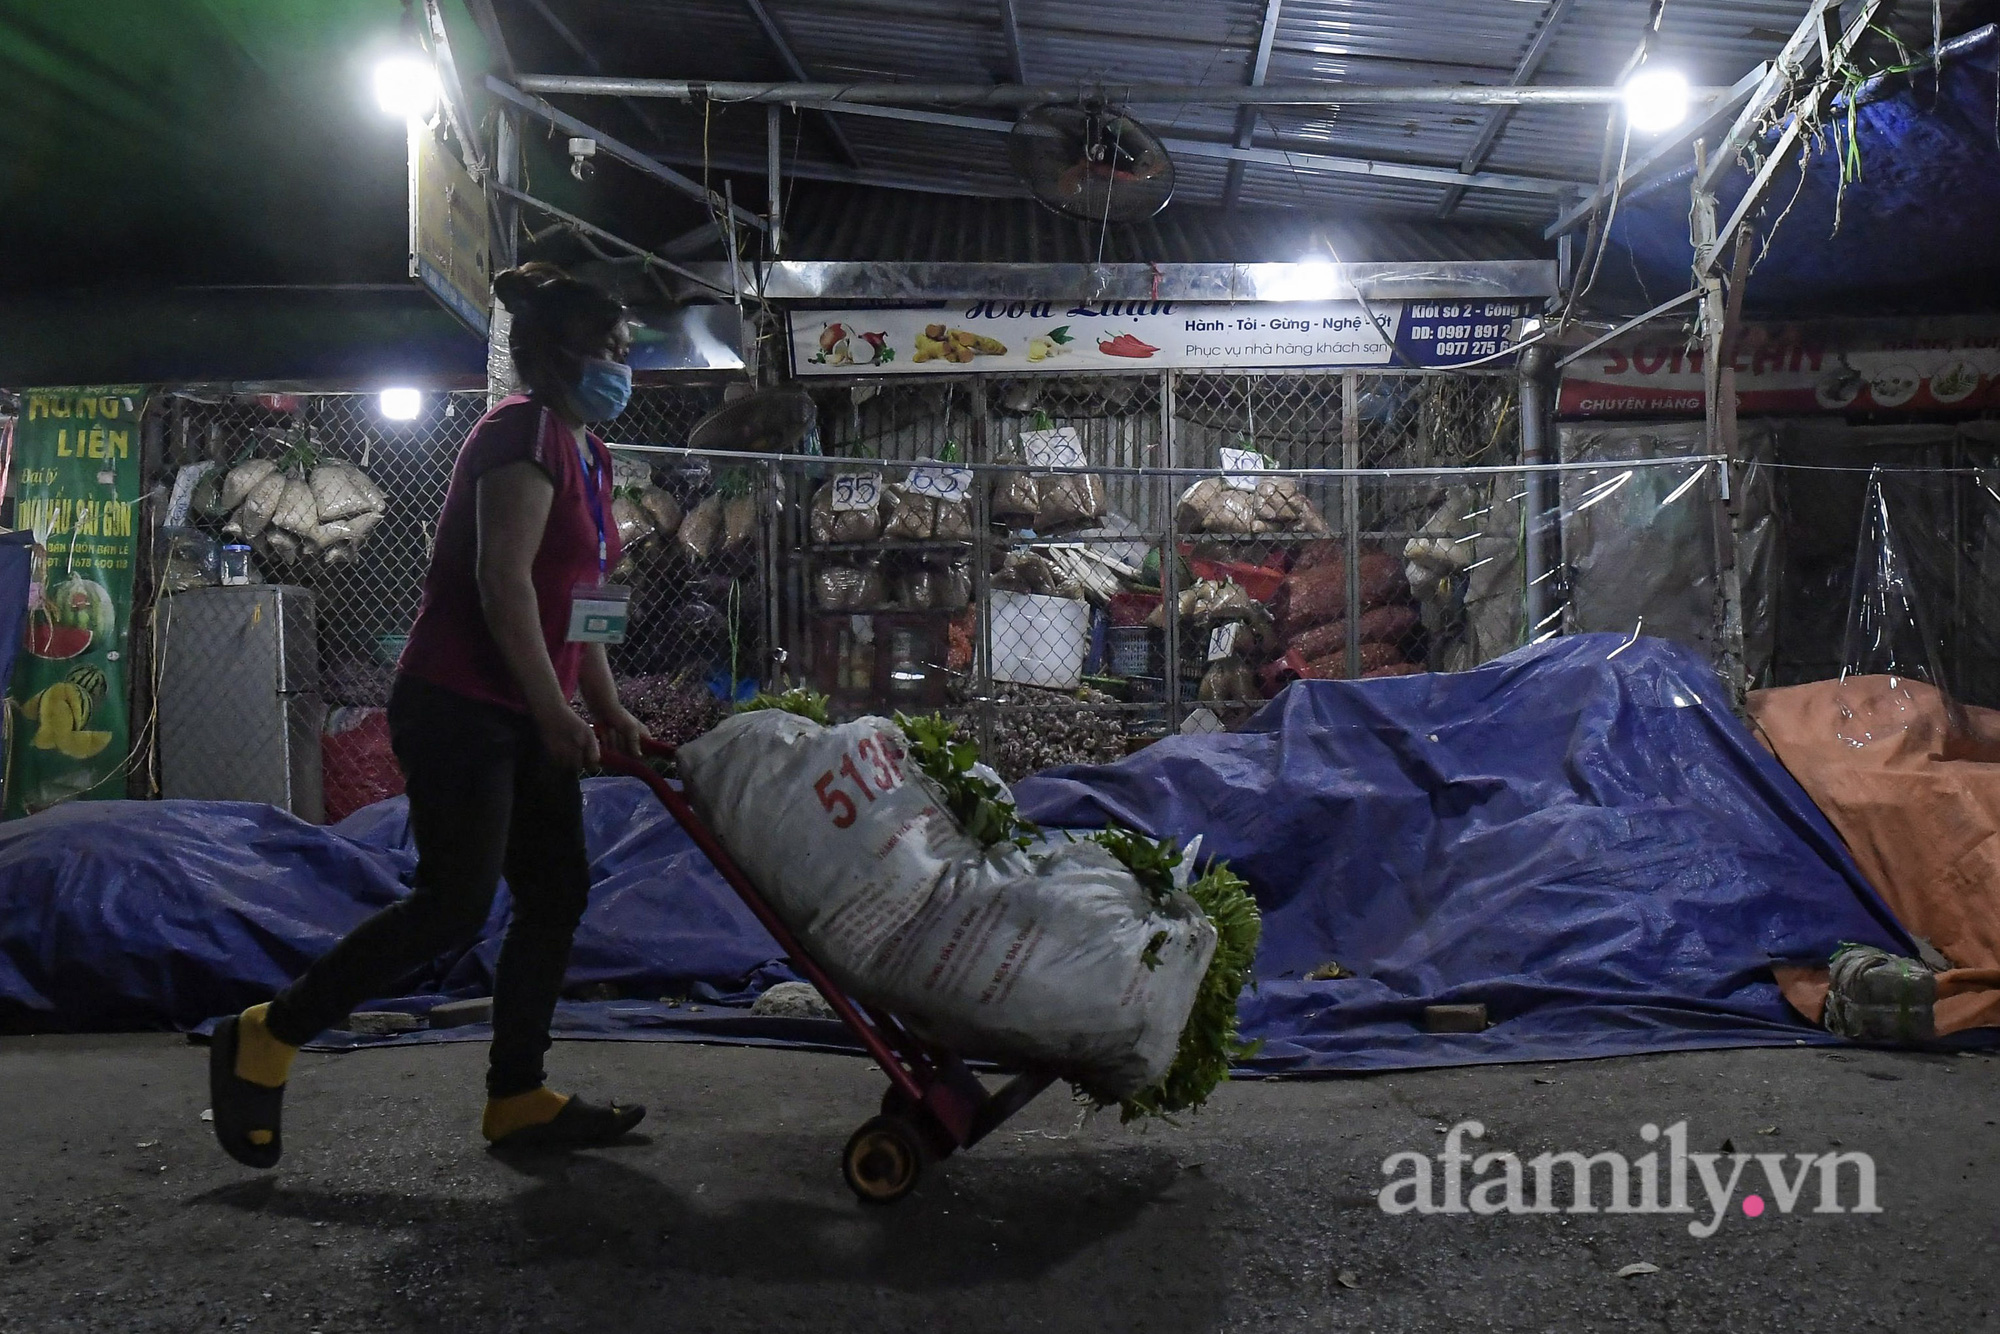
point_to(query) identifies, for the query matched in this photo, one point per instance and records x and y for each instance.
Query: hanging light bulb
(1656, 100)
(406, 87)
(401, 405)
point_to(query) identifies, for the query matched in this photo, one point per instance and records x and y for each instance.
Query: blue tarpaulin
(1580, 836)
(132, 915)
(1912, 232)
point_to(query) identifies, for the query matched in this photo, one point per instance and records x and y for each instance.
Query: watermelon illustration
(73, 614)
(90, 680)
(84, 604)
(46, 639)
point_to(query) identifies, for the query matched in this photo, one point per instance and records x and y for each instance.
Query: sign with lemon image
(78, 456)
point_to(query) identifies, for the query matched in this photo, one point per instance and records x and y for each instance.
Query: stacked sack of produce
(1048, 503)
(1245, 507)
(901, 864)
(712, 516)
(295, 508)
(857, 509)
(1311, 607)
(690, 551)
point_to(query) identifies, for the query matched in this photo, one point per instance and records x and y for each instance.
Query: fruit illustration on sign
(84, 603)
(46, 639)
(62, 715)
(73, 614)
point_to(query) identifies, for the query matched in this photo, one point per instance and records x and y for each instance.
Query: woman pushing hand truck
(515, 617)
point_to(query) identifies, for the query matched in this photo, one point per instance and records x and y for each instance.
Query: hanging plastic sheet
(1759, 551)
(1896, 611)
(1923, 600)
(1641, 549)
(1820, 482)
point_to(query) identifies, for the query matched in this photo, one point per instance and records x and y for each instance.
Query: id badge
(597, 614)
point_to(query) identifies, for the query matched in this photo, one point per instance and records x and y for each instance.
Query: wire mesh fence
(1071, 566)
(359, 548)
(1082, 645)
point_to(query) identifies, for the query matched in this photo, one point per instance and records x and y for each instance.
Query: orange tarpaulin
(1917, 797)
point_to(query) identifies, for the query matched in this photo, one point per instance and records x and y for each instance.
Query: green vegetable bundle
(799, 700)
(1209, 1043)
(980, 805)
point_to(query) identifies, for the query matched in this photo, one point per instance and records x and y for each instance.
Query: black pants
(484, 799)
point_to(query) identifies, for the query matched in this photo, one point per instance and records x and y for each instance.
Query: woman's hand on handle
(620, 732)
(624, 734)
(570, 740)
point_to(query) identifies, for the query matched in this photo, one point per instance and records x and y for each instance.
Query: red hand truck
(934, 1106)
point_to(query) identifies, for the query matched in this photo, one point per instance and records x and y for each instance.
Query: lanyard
(595, 492)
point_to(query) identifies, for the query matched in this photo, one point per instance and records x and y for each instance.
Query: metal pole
(1127, 94)
(773, 145)
(773, 511)
(1956, 686)
(980, 448)
(1350, 512)
(1534, 367)
(729, 235)
(1170, 560)
(507, 174)
(1719, 401)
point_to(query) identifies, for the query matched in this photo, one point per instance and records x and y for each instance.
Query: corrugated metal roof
(832, 222)
(1106, 42)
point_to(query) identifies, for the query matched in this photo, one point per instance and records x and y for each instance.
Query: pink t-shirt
(450, 645)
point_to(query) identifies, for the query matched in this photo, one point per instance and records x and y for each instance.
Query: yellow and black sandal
(579, 1125)
(243, 1109)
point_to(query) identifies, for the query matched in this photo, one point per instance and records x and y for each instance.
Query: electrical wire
(1610, 220)
(1111, 186)
(1599, 237)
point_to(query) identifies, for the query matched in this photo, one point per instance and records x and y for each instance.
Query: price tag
(950, 485)
(1060, 448)
(856, 490)
(1239, 468)
(1222, 640)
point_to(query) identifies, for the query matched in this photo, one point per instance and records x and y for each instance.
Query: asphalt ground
(728, 1212)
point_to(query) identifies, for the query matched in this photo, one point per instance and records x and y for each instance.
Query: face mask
(602, 391)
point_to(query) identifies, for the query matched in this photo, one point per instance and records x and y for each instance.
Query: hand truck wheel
(883, 1160)
(938, 1143)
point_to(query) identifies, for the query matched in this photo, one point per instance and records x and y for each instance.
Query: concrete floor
(117, 1211)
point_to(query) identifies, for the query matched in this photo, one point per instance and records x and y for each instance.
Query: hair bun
(520, 288)
(511, 289)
